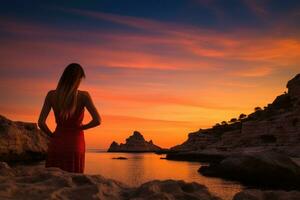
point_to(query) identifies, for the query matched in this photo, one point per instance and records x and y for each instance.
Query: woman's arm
(96, 119)
(43, 116)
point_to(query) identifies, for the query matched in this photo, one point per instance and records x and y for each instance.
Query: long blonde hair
(66, 90)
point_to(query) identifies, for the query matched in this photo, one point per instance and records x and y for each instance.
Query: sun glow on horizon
(165, 75)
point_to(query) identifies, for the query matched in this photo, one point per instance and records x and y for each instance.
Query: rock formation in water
(276, 126)
(263, 169)
(38, 182)
(135, 143)
(20, 141)
(252, 194)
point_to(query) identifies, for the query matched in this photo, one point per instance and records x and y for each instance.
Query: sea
(139, 168)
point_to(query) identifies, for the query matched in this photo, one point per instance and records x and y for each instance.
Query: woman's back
(66, 149)
(76, 119)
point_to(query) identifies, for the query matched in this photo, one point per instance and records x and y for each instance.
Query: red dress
(67, 146)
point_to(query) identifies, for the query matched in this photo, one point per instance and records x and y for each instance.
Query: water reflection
(143, 167)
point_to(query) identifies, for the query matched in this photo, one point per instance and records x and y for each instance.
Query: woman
(67, 146)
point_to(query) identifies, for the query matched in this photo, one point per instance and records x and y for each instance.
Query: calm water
(143, 167)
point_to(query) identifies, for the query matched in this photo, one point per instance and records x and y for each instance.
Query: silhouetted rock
(163, 151)
(267, 195)
(200, 156)
(135, 143)
(120, 158)
(21, 141)
(5, 170)
(277, 126)
(268, 169)
(114, 146)
(294, 87)
(196, 141)
(37, 182)
(170, 189)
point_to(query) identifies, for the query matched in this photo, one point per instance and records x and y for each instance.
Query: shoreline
(53, 180)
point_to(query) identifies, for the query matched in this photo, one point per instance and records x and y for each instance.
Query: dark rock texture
(120, 158)
(170, 189)
(21, 141)
(267, 195)
(266, 169)
(135, 143)
(276, 127)
(37, 182)
(199, 156)
(294, 87)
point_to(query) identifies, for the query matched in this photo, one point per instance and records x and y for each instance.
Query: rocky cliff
(276, 126)
(135, 143)
(20, 141)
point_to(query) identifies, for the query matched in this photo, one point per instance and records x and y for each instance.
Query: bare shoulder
(84, 94)
(51, 93)
(49, 96)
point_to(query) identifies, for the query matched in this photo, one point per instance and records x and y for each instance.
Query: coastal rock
(135, 143)
(268, 169)
(171, 190)
(5, 170)
(21, 141)
(207, 155)
(120, 158)
(196, 141)
(277, 126)
(294, 87)
(38, 182)
(267, 195)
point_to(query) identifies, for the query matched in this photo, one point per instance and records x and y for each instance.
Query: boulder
(267, 169)
(134, 143)
(267, 195)
(21, 141)
(171, 189)
(37, 182)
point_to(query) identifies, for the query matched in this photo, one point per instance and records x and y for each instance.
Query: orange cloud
(209, 43)
(166, 81)
(254, 72)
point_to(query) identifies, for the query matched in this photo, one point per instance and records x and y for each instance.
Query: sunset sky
(162, 67)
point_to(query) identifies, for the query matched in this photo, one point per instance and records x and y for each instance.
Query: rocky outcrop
(120, 158)
(294, 87)
(201, 156)
(267, 169)
(170, 189)
(267, 195)
(135, 143)
(196, 141)
(37, 182)
(21, 141)
(276, 126)
(282, 133)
